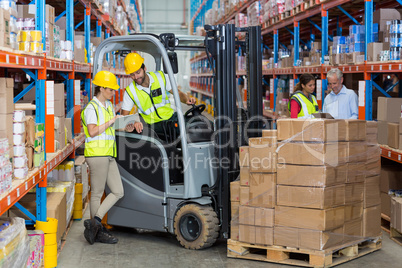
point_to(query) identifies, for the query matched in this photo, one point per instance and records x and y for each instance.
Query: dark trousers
(167, 128)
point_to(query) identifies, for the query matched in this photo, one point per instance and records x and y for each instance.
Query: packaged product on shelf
(36, 245)
(14, 241)
(36, 47)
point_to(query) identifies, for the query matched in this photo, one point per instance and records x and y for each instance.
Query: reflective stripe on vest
(142, 99)
(307, 107)
(103, 144)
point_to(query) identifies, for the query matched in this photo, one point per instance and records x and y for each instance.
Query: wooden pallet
(385, 223)
(275, 19)
(302, 257)
(297, 9)
(396, 236)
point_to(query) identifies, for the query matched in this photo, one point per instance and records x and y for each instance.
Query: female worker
(303, 103)
(100, 152)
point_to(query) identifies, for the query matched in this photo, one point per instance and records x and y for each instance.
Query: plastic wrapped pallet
(14, 243)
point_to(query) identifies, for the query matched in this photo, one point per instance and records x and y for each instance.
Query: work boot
(104, 236)
(92, 227)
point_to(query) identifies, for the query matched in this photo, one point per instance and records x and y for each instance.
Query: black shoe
(104, 236)
(92, 227)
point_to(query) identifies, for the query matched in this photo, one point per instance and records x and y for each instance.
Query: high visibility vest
(307, 107)
(153, 106)
(103, 144)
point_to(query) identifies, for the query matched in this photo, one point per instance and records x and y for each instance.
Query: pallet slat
(303, 257)
(395, 236)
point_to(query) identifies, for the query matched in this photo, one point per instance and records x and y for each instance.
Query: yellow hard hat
(106, 79)
(133, 62)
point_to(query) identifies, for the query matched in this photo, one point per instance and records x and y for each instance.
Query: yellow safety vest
(307, 107)
(152, 109)
(103, 144)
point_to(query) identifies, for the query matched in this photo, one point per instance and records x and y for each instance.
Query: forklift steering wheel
(195, 110)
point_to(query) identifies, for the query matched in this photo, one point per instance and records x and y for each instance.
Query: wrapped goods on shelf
(36, 246)
(14, 242)
(6, 169)
(253, 14)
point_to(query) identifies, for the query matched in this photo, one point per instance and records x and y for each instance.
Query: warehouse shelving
(38, 66)
(320, 11)
(391, 153)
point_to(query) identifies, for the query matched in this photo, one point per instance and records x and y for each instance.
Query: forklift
(179, 183)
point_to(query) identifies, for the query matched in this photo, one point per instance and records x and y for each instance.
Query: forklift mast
(232, 128)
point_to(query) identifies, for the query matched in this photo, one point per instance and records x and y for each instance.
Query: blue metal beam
(60, 16)
(296, 36)
(25, 211)
(78, 25)
(392, 86)
(399, 1)
(381, 90)
(368, 24)
(324, 36)
(348, 15)
(25, 91)
(314, 24)
(65, 76)
(284, 46)
(30, 73)
(87, 30)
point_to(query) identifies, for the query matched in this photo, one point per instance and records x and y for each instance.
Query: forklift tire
(196, 226)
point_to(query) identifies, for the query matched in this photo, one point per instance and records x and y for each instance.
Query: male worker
(341, 103)
(149, 93)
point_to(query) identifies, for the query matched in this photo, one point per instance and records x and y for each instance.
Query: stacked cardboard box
(390, 179)
(4, 28)
(389, 118)
(7, 109)
(396, 213)
(323, 195)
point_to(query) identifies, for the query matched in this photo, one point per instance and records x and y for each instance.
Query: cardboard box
(355, 130)
(59, 108)
(356, 172)
(389, 109)
(246, 215)
(7, 98)
(353, 211)
(382, 135)
(396, 213)
(56, 206)
(318, 154)
(234, 210)
(381, 16)
(353, 230)
(354, 192)
(316, 176)
(393, 135)
(371, 127)
(6, 127)
(316, 130)
(264, 235)
(400, 125)
(356, 151)
(247, 233)
(373, 153)
(373, 168)
(354, 57)
(385, 204)
(264, 217)
(373, 51)
(59, 89)
(245, 176)
(244, 195)
(68, 130)
(311, 197)
(263, 190)
(263, 154)
(235, 191)
(307, 239)
(234, 230)
(269, 133)
(372, 222)
(306, 218)
(372, 191)
(400, 142)
(390, 178)
(244, 157)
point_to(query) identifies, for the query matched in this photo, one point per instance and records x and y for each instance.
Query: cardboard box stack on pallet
(390, 122)
(325, 192)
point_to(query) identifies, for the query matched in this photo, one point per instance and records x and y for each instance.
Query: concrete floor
(155, 249)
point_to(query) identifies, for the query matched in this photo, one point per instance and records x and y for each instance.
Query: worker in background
(341, 103)
(303, 103)
(98, 118)
(149, 93)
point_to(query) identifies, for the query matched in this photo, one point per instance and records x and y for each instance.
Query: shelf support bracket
(25, 91)
(78, 25)
(381, 90)
(25, 211)
(348, 15)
